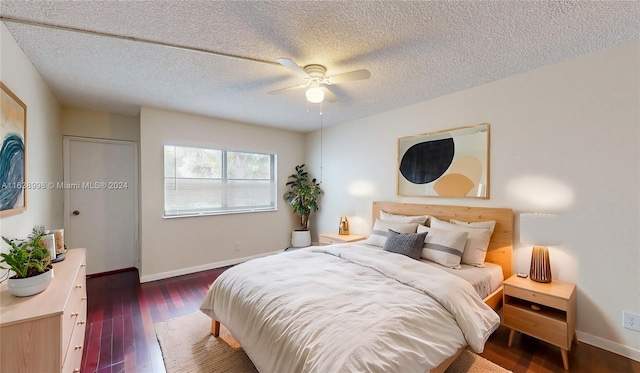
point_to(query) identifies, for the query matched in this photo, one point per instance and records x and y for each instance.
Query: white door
(100, 183)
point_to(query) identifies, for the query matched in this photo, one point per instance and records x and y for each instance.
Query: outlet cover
(631, 321)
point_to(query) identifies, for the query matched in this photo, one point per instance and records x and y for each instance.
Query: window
(200, 181)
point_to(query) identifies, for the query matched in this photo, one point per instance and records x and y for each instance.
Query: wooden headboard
(501, 245)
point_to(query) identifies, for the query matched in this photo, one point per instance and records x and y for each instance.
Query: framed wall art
(453, 163)
(13, 166)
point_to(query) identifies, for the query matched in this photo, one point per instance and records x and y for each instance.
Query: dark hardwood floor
(121, 312)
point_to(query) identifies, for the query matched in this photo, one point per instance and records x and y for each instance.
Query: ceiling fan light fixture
(315, 94)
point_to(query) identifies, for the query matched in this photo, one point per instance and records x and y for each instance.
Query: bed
(354, 307)
(500, 249)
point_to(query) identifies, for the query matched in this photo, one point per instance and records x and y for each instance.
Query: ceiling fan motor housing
(316, 72)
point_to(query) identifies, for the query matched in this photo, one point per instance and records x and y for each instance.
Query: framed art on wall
(453, 163)
(13, 166)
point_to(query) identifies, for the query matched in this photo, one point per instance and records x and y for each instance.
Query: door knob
(76, 212)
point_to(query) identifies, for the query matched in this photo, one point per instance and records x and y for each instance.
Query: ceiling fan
(316, 80)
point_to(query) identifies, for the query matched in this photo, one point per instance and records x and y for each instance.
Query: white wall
(181, 245)
(97, 124)
(44, 141)
(564, 139)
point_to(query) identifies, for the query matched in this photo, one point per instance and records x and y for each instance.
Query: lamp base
(540, 270)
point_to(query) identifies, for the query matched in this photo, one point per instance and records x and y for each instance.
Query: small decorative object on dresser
(45, 333)
(59, 241)
(332, 238)
(546, 311)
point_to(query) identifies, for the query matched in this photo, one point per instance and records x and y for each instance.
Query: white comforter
(347, 308)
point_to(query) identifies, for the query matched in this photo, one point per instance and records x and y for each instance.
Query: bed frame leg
(215, 328)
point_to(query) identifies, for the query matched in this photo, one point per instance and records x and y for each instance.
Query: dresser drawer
(73, 358)
(536, 324)
(76, 304)
(536, 297)
(75, 326)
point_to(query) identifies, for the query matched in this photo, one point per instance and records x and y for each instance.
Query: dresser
(45, 332)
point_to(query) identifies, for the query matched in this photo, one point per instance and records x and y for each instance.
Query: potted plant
(30, 262)
(303, 195)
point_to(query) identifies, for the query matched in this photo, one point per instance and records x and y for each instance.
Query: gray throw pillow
(409, 244)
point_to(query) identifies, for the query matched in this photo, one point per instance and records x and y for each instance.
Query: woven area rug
(188, 347)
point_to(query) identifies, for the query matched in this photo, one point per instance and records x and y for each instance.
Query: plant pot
(24, 287)
(300, 238)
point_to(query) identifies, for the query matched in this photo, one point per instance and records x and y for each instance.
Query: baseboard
(112, 272)
(203, 267)
(605, 344)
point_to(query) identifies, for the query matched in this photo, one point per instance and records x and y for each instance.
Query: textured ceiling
(415, 51)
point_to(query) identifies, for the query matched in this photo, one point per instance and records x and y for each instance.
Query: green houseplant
(30, 261)
(303, 194)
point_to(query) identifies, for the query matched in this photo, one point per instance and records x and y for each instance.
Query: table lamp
(540, 230)
(343, 228)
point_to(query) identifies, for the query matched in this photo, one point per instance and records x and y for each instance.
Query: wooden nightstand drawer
(334, 238)
(538, 324)
(324, 240)
(536, 297)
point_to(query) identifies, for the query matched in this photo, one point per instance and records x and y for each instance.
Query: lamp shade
(315, 94)
(540, 229)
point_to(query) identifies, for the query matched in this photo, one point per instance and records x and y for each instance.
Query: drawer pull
(74, 314)
(76, 370)
(83, 265)
(80, 322)
(78, 286)
(84, 298)
(78, 348)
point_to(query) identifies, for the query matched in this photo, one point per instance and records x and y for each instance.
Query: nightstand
(546, 311)
(333, 238)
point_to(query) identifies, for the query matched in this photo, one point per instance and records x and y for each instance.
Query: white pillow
(489, 224)
(387, 216)
(378, 236)
(475, 250)
(443, 247)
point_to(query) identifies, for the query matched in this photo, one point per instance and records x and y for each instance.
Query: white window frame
(224, 209)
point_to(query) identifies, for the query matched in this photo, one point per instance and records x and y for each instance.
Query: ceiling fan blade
(288, 88)
(328, 95)
(289, 64)
(350, 76)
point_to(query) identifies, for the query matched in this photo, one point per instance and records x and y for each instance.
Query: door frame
(136, 181)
